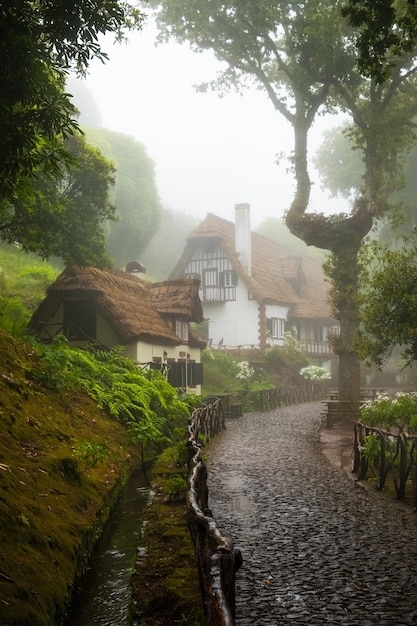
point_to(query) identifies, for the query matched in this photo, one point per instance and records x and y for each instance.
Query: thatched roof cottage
(112, 308)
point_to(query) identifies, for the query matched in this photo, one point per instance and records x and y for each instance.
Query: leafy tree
(341, 170)
(135, 195)
(63, 216)
(389, 309)
(304, 56)
(340, 166)
(386, 29)
(39, 42)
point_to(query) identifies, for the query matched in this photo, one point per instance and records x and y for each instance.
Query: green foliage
(340, 165)
(149, 429)
(371, 447)
(135, 196)
(389, 302)
(64, 215)
(39, 43)
(150, 408)
(127, 393)
(220, 371)
(23, 281)
(175, 486)
(55, 364)
(386, 31)
(89, 453)
(399, 412)
(288, 359)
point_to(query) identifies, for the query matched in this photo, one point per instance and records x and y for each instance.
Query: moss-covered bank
(165, 585)
(50, 513)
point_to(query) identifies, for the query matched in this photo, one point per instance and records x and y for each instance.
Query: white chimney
(243, 235)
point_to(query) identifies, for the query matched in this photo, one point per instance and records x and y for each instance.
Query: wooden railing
(317, 348)
(396, 455)
(218, 561)
(269, 399)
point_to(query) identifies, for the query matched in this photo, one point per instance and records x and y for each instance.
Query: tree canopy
(135, 195)
(39, 42)
(389, 309)
(386, 29)
(64, 215)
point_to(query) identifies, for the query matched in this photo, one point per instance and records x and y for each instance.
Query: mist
(210, 152)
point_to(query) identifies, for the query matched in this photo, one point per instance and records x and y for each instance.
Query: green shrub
(399, 412)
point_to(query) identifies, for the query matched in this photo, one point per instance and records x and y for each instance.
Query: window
(181, 330)
(228, 278)
(276, 327)
(185, 374)
(318, 332)
(79, 319)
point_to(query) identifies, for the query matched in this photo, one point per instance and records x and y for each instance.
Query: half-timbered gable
(251, 297)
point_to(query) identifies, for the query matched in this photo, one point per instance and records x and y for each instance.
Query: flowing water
(103, 596)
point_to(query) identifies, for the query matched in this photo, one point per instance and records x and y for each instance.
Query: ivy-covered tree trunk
(344, 271)
(342, 235)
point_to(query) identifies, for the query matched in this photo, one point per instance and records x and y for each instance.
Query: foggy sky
(209, 152)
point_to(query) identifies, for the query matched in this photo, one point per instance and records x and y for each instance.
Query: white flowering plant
(245, 372)
(315, 372)
(386, 412)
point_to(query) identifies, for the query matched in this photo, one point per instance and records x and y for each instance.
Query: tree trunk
(342, 236)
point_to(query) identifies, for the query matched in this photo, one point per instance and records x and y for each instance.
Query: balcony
(316, 348)
(218, 294)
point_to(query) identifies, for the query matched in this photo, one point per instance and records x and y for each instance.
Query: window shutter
(221, 279)
(195, 374)
(269, 325)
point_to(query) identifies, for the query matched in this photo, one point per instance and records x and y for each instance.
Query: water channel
(103, 596)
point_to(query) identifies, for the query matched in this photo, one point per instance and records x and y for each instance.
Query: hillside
(51, 510)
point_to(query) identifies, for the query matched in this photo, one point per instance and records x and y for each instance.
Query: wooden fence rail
(395, 454)
(269, 399)
(217, 560)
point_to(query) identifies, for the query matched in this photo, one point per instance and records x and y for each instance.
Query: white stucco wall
(144, 352)
(235, 322)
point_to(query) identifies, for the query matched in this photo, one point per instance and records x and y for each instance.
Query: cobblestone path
(317, 548)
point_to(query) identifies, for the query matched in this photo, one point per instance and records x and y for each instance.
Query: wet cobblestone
(317, 548)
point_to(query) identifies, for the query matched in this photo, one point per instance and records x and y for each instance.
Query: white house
(115, 308)
(252, 289)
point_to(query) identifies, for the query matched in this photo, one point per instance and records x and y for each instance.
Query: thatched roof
(278, 275)
(130, 305)
(178, 297)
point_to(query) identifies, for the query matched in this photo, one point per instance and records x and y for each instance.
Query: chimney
(135, 268)
(243, 236)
